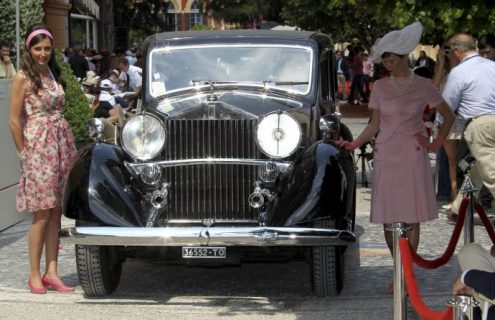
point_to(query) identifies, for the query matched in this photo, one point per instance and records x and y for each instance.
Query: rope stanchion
(486, 222)
(445, 257)
(412, 287)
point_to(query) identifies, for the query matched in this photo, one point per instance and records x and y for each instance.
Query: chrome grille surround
(211, 191)
(211, 167)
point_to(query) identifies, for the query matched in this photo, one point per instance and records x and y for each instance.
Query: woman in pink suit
(46, 148)
(402, 178)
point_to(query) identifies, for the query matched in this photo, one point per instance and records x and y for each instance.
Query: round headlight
(143, 136)
(278, 135)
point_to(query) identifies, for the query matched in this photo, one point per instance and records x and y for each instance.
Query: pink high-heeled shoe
(35, 290)
(58, 287)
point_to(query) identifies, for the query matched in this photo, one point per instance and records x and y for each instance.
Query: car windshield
(282, 67)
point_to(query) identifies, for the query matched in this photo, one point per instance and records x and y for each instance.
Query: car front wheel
(327, 266)
(99, 267)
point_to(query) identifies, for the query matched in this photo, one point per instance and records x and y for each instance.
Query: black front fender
(320, 186)
(98, 188)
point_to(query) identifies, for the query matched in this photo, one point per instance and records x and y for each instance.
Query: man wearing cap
(108, 93)
(105, 94)
(470, 91)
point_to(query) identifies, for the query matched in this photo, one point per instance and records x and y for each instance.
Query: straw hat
(91, 78)
(90, 81)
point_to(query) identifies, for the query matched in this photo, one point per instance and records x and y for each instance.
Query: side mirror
(330, 127)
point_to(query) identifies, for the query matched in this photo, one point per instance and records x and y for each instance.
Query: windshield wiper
(211, 82)
(285, 83)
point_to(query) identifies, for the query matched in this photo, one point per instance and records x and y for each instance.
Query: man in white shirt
(470, 91)
(131, 74)
(7, 70)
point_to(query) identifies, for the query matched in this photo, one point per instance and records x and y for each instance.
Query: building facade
(183, 15)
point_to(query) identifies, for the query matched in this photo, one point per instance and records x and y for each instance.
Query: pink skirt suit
(402, 177)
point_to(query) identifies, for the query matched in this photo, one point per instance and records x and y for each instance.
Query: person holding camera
(7, 70)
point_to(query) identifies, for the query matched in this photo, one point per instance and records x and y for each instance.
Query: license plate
(204, 252)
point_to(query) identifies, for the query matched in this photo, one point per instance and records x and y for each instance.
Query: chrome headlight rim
(136, 118)
(279, 114)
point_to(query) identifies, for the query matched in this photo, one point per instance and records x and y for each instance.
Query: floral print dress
(49, 147)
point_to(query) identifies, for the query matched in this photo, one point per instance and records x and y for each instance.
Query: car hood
(225, 105)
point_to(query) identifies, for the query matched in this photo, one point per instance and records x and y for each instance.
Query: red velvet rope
(412, 287)
(445, 257)
(486, 221)
(408, 255)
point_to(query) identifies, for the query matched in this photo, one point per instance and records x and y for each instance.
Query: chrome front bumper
(205, 236)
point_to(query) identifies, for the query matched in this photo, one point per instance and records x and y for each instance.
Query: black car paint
(101, 189)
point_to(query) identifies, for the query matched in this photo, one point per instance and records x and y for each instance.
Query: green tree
(77, 111)
(245, 11)
(440, 18)
(369, 19)
(140, 17)
(343, 20)
(31, 11)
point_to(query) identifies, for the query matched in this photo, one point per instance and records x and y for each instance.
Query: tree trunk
(106, 26)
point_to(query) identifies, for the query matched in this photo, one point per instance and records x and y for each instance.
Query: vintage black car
(228, 157)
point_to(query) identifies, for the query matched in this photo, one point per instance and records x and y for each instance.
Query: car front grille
(213, 191)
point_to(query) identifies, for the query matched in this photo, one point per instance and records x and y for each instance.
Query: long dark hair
(27, 62)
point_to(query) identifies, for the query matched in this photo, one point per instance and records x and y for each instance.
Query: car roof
(276, 34)
(311, 38)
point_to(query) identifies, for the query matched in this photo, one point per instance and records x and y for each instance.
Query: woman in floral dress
(402, 178)
(45, 145)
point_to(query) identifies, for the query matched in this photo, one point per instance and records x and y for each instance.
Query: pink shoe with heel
(47, 282)
(35, 290)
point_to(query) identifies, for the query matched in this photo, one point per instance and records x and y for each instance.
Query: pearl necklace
(393, 81)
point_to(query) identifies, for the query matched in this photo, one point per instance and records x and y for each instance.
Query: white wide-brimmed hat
(398, 41)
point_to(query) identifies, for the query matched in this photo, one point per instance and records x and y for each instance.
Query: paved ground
(156, 290)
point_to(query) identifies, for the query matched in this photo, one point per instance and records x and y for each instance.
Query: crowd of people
(111, 82)
(356, 71)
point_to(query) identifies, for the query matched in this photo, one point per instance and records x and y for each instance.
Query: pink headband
(37, 32)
